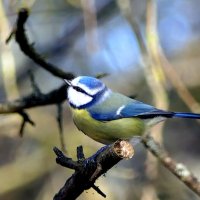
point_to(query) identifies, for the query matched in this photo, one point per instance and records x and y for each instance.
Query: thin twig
(178, 169)
(36, 89)
(65, 161)
(60, 126)
(26, 119)
(97, 189)
(12, 34)
(179, 85)
(80, 154)
(155, 78)
(165, 65)
(90, 22)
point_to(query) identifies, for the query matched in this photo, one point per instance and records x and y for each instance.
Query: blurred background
(150, 49)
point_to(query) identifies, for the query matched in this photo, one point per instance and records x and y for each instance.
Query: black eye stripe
(78, 89)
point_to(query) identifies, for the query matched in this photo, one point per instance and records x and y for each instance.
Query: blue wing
(118, 106)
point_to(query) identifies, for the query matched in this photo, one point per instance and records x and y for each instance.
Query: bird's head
(84, 91)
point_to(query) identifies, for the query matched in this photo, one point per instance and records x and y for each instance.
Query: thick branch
(88, 170)
(178, 169)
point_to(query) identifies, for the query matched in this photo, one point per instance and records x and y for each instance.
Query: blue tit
(107, 116)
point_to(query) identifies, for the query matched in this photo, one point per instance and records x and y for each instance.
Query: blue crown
(90, 82)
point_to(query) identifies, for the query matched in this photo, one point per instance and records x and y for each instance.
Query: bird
(106, 116)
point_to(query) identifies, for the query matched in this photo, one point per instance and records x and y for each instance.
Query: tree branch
(87, 171)
(178, 169)
(28, 49)
(33, 100)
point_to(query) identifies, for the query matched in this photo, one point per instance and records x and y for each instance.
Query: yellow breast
(110, 131)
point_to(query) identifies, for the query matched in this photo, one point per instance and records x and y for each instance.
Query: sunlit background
(150, 50)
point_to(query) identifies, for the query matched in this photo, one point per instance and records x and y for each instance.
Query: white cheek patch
(77, 98)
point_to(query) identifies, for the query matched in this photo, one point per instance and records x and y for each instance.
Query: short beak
(68, 82)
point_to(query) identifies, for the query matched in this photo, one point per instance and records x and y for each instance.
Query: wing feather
(118, 106)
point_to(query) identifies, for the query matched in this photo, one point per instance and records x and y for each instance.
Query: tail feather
(186, 115)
